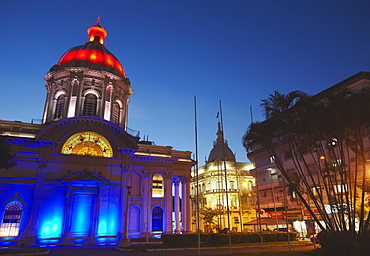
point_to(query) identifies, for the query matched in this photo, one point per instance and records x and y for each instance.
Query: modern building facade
(279, 206)
(80, 172)
(222, 184)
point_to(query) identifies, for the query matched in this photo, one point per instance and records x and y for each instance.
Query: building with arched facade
(80, 170)
(225, 187)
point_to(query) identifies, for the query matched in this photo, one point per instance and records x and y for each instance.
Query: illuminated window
(88, 144)
(59, 107)
(315, 191)
(232, 184)
(157, 219)
(12, 219)
(90, 105)
(343, 188)
(271, 159)
(116, 113)
(157, 188)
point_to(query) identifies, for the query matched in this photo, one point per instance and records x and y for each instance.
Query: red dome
(92, 52)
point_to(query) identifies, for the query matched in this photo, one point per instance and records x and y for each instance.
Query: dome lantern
(221, 150)
(94, 52)
(97, 33)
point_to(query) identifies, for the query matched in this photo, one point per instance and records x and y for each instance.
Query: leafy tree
(208, 216)
(6, 158)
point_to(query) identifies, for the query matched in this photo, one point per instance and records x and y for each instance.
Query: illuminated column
(168, 204)
(104, 92)
(29, 234)
(96, 214)
(147, 202)
(111, 106)
(123, 194)
(177, 206)
(80, 99)
(186, 215)
(67, 105)
(125, 112)
(46, 107)
(51, 104)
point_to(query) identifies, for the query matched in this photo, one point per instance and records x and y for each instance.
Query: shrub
(344, 243)
(183, 240)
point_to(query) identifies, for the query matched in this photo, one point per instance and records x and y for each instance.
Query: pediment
(84, 176)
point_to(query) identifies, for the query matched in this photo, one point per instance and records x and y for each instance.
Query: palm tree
(328, 131)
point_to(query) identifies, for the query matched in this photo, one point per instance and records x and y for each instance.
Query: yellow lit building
(221, 184)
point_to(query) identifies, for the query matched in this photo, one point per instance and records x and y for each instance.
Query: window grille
(90, 105)
(157, 187)
(11, 220)
(59, 107)
(116, 114)
(157, 219)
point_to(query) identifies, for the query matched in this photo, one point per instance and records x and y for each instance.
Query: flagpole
(226, 190)
(257, 194)
(196, 172)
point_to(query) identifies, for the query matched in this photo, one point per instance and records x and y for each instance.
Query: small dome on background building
(92, 54)
(221, 150)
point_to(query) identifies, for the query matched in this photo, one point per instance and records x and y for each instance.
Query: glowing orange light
(109, 60)
(98, 56)
(322, 157)
(97, 31)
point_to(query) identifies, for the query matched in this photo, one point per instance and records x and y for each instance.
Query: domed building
(81, 177)
(222, 187)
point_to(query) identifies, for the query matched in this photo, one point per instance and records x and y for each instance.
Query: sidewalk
(114, 250)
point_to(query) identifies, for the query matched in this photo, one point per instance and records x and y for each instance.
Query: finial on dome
(97, 33)
(219, 134)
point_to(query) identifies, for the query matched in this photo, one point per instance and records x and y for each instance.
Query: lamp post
(125, 242)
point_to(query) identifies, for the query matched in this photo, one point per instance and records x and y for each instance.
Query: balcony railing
(222, 190)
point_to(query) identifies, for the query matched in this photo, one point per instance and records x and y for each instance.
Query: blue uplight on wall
(81, 216)
(108, 223)
(51, 229)
(51, 215)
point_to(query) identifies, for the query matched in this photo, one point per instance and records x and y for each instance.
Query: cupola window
(90, 105)
(59, 107)
(117, 113)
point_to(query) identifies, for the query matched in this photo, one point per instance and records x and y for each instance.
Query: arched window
(157, 188)
(12, 219)
(157, 219)
(134, 223)
(90, 105)
(116, 113)
(59, 107)
(87, 144)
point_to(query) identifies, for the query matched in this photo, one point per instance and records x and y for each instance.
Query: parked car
(281, 229)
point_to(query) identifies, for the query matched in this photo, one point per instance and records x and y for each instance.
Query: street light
(125, 242)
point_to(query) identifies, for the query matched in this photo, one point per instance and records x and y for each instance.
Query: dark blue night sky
(237, 51)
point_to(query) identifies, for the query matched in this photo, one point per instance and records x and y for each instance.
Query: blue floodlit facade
(70, 184)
